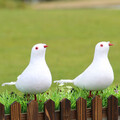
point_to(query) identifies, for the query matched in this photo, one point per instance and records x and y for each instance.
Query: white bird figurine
(36, 78)
(99, 75)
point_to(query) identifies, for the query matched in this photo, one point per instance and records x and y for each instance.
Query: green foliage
(12, 4)
(57, 95)
(70, 34)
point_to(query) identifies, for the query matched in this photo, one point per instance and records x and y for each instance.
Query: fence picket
(15, 111)
(32, 110)
(49, 110)
(112, 108)
(65, 109)
(96, 108)
(81, 108)
(2, 116)
(65, 113)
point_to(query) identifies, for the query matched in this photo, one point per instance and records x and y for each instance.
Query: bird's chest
(36, 72)
(104, 69)
(98, 72)
(103, 73)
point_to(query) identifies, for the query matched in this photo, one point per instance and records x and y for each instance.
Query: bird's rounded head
(38, 51)
(102, 48)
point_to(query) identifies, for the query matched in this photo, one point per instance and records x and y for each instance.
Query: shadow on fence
(81, 113)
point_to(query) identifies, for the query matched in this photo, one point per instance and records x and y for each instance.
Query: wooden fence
(65, 113)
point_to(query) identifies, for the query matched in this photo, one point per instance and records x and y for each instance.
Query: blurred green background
(71, 35)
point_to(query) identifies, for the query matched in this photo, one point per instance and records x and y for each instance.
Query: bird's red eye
(36, 48)
(101, 45)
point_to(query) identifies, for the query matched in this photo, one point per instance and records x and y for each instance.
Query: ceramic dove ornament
(36, 78)
(99, 74)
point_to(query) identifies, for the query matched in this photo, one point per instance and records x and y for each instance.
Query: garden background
(71, 29)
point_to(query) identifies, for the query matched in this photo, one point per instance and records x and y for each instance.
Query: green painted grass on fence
(70, 34)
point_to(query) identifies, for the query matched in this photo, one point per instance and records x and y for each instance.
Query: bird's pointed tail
(10, 83)
(64, 81)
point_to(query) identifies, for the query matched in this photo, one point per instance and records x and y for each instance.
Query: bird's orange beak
(45, 46)
(110, 44)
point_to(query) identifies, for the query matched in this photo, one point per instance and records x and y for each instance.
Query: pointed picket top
(15, 111)
(65, 109)
(2, 112)
(64, 100)
(32, 102)
(49, 101)
(81, 107)
(49, 109)
(32, 110)
(96, 108)
(96, 97)
(80, 99)
(112, 108)
(112, 97)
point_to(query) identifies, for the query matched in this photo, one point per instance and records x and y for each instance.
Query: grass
(70, 34)
(11, 4)
(57, 95)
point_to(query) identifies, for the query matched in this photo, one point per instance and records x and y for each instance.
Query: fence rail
(65, 113)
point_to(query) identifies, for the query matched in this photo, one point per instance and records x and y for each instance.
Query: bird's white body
(36, 78)
(99, 75)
